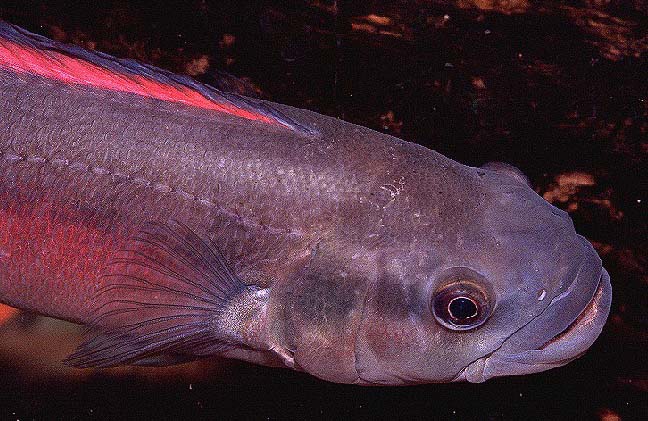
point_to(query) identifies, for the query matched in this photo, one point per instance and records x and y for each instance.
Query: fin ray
(165, 294)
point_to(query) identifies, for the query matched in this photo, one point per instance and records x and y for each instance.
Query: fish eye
(462, 308)
(460, 305)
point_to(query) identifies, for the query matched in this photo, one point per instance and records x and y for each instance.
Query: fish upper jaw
(557, 349)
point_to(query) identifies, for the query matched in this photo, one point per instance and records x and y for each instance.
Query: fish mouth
(586, 319)
(550, 340)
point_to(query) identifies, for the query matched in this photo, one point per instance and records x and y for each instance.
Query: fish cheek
(320, 313)
(394, 332)
(399, 341)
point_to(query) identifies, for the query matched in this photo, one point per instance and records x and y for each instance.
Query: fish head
(499, 285)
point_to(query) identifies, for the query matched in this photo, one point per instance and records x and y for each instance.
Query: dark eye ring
(461, 305)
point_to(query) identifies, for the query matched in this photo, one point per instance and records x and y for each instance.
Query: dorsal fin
(25, 52)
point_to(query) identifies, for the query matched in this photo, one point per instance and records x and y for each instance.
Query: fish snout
(562, 332)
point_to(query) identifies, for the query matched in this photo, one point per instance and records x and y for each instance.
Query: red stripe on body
(6, 313)
(60, 67)
(50, 261)
(73, 250)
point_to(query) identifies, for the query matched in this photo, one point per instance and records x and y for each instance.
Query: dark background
(555, 88)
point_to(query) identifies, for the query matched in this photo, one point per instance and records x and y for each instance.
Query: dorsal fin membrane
(25, 52)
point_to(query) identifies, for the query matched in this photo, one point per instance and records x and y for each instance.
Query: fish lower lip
(576, 338)
(585, 318)
(567, 345)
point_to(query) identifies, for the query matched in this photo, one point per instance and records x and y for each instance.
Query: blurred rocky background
(556, 88)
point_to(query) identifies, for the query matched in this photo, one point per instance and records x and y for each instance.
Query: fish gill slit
(160, 187)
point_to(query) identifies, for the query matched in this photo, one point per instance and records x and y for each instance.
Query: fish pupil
(462, 308)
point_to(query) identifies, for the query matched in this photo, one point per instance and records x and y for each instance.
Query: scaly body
(331, 231)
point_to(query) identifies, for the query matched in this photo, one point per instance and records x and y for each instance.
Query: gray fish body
(342, 238)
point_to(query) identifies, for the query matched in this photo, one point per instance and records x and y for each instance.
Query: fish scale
(177, 221)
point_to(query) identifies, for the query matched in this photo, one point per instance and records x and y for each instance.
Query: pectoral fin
(169, 292)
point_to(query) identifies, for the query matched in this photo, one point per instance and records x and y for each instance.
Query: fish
(177, 221)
